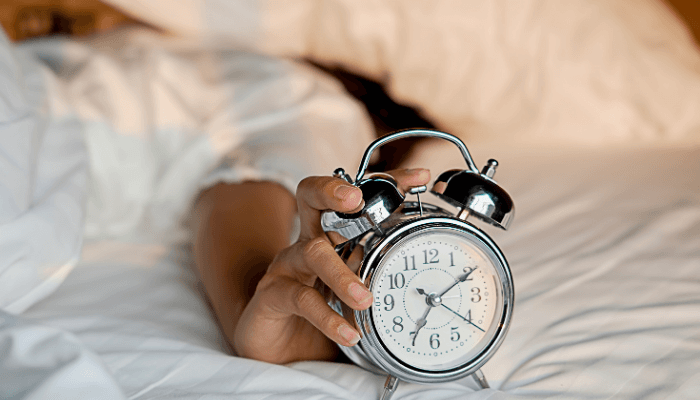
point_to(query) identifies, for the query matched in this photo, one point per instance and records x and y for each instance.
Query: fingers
(408, 178)
(288, 288)
(292, 297)
(306, 261)
(321, 260)
(318, 193)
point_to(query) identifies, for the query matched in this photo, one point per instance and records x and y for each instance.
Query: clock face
(437, 299)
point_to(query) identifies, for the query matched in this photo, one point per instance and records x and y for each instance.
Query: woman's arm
(239, 229)
(263, 290)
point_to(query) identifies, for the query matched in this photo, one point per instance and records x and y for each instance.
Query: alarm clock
(443, 290)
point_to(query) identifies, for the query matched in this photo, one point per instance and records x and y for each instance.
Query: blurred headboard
(689, 11)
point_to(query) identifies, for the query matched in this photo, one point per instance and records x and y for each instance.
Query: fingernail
(342, 192)
(360, 294)
(349, 334)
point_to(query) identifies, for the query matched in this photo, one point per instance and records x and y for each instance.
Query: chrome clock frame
(370, 351)
(387, 218)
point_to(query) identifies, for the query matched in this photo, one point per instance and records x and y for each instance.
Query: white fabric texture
(581, 72)
(42, 362)
(43, 169)
(152, 121)
(164, 119)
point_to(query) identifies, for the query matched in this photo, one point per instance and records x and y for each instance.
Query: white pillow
(593, 72)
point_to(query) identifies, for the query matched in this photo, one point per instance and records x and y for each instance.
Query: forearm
(239, 229)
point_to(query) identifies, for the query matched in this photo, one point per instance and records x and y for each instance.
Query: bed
(604, 257)
(602, 159)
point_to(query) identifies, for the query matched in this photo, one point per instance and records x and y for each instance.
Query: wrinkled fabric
(43, 180)
(115, 137)
(164, 119)
(43, 362)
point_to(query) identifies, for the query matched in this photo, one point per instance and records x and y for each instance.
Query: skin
(285, 318)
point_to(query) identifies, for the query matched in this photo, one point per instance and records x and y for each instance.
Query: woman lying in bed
(261, 289)
(511, 98)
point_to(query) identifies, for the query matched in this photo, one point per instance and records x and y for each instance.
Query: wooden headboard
(689, 11)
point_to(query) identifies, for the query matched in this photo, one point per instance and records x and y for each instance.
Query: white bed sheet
(605, 253)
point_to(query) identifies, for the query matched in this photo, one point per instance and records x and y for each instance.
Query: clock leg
(390, 386)
(480, 379)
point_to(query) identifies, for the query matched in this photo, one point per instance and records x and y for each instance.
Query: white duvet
(591, 107)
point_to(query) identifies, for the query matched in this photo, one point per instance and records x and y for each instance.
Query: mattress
(605, 255)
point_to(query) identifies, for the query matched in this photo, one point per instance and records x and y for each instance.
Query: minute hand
(461, 278)
(466, 320)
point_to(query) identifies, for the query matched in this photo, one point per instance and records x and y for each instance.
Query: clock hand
(421, 322)
(461, 278)
(457, 314)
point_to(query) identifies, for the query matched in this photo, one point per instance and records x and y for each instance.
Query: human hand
(288, 319)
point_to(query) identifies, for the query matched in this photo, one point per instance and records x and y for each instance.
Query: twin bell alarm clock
(443, 291)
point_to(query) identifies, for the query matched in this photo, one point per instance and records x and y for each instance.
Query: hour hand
(422, 320)
(419, 325)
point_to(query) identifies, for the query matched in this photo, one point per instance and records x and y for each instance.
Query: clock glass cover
(438, 299)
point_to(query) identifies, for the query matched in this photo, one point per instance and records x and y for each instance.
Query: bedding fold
(43, 179)
(41, 362)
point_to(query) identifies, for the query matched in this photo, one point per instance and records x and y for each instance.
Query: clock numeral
(470, 278)
(433, 256)
(476, 295)
(397, 324)
(454, 335)
(389, 301)
(413, 262)
(468, 317)
(396, 281)
(434, 341)
(452, 260)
